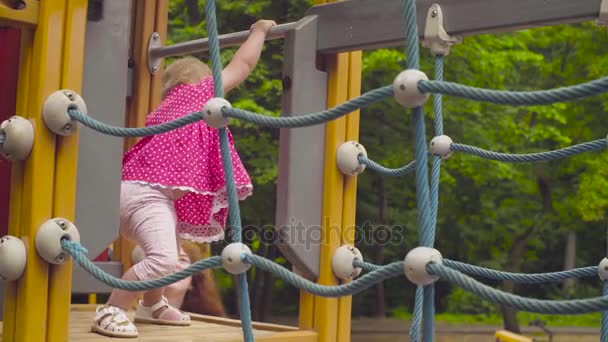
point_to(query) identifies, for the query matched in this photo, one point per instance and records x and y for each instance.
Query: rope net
(457, 273)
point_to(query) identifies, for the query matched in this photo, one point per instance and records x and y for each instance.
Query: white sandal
(157, 314)
(113, 322)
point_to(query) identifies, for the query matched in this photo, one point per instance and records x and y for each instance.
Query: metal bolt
(155, 69)
(434, 13)
(67, 128)
(155, 36)
(62, 225)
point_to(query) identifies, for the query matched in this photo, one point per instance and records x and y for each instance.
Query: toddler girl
(173, 187)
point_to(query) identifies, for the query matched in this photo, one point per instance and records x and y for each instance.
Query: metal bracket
(435, 36)
(602, 18)
(153, 61)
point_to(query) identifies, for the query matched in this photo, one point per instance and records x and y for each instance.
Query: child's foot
(113, 322)
(161, 313)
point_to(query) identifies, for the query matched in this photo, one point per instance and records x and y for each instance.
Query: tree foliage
(492, 214)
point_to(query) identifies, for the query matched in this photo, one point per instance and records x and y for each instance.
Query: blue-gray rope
(555, 307)
(366, 266)
(517, 98)
(135, 131)
(604, 326)
(233, 204)
(429, 290)
(596, 145)
(521, 278)
(422, 186)
(78, 253)
(399, 172)
(2, 138)
(314, 118)
(366, 281)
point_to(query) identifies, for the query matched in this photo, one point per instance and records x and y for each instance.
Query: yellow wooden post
(66, 164)
(329, 316)
(350, 190)
(326, 309)
(17, 180)
(45, 57)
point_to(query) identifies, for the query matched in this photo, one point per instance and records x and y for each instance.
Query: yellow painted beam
(507, 336)
(26, 17)
(291, 336)
(60, 283)
(17, 180)
(37, 204)
(350, 190)
(307, 307)
(326, 309)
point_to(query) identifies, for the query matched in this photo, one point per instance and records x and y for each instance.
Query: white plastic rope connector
(13, 257)
(49, 236)
(55, 111)
(347, 158)
(415, 263)
(342, 262)
(18, 138)
(232, 261)
(435, 36)
(602, 269)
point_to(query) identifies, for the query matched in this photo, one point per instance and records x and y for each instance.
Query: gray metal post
(301, 152)
(99, 157)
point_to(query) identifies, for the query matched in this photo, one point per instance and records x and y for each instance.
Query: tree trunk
(256, 288)
(267, 288)
(516, 255)
(514, 261)
(194, 14)
(380, 307)
(570, 260)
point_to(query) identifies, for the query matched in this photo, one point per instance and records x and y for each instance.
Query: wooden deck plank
(203, 328)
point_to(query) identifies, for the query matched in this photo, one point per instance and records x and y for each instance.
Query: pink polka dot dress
(188, 159)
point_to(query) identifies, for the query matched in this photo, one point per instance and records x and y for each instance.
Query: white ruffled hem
(220, 201)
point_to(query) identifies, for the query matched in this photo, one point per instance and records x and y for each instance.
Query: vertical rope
(429, 291)
(422, 185)
(233, 204)
(417, 317)
(604, 327)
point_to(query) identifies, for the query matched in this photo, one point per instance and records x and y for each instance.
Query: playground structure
(51, 188)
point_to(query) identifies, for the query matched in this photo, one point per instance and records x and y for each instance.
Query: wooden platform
(203, 328)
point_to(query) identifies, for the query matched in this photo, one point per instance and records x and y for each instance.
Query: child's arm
(247, 56)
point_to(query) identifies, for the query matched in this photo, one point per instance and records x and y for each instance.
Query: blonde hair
(186, 70)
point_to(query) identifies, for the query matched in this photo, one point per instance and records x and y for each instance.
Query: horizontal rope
(535, 278)
(366, 266)
(530, 98)
(570, 151)
(136, 131)
(399, 172)
(357, 285)
(314, 118)
(559, 307)
(78, 252)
